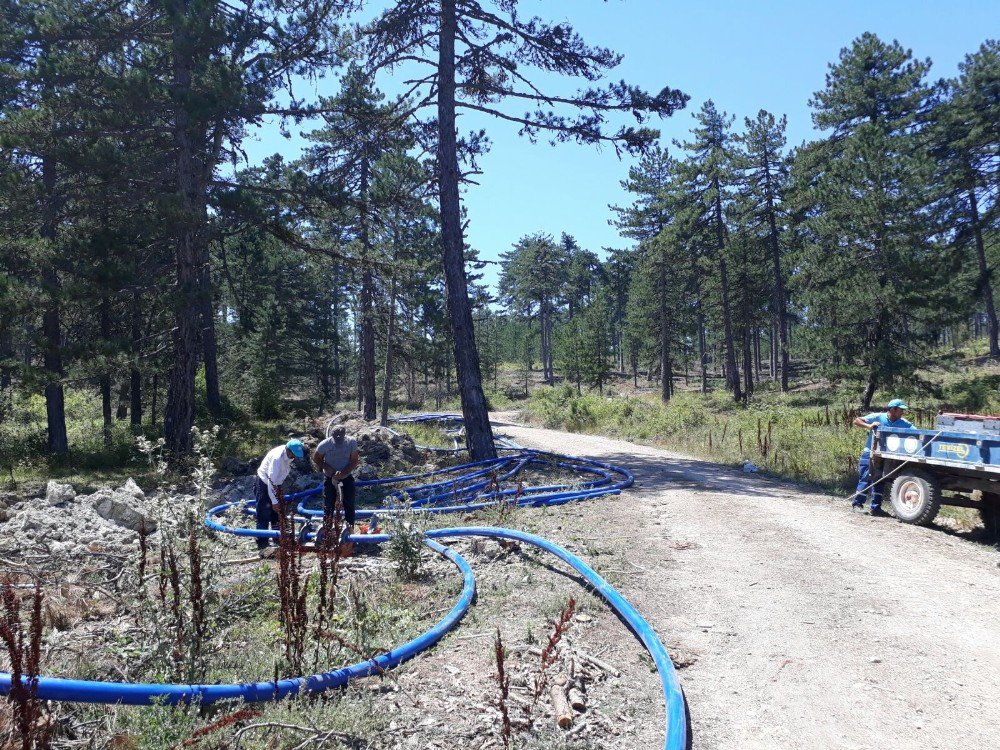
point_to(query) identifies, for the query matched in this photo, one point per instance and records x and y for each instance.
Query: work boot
(878, 512)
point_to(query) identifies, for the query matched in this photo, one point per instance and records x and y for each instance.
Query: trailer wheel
(916, 497)
(989, 511)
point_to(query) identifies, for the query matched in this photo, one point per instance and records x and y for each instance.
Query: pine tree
(874, 280)
(708, 179)
(358, 130)
(480, 60)
(965, 142)
(533, 281)
(764, 178)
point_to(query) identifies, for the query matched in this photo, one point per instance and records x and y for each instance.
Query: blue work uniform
(867, 478)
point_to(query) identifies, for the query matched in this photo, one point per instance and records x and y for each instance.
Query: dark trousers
(267, 518)
(869, 473)
(330, 498)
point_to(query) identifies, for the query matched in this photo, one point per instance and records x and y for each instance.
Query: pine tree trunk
(747, 362)
(121, 412)
(55, 405)
(985, 283)
(178, 417)
(153, 392)
(338, 393)
(389, 335)
(135, 386)
(772, 345)
(666, 367)
(6, 353)
(106, 424)
(210, 350)
(779, 302)
(732, 374)
(478, 434)
(105, 380)
(367, 367)
(702, 342)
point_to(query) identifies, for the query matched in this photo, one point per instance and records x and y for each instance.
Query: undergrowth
(801, 437)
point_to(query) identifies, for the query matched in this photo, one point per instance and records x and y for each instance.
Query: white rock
(117, 508)
(131, 488)
(57, 494)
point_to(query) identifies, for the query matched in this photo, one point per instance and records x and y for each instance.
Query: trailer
(956, 463)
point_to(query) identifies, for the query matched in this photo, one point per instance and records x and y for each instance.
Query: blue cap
(897, 403)
(295, 446)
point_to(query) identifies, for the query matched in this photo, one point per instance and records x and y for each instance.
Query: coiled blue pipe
(86, 691)
(675, 732)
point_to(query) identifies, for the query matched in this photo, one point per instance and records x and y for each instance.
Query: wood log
(577, 699)
(560, 706)
(600, 665)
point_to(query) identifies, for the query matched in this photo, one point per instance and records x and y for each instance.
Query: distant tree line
(857, 254)
(137, 257)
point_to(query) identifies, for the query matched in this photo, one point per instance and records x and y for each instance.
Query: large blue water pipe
(90, 691)
(675, 734)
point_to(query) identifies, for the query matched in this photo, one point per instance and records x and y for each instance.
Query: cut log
(600, 665)
(560, 706)
(577, 699)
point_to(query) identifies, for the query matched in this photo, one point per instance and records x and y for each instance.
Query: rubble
(64, 522)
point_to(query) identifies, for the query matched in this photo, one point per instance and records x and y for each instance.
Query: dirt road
(808, 626)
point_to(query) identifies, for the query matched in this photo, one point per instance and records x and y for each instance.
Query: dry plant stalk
(503, 680)
(172, 576)
(549, 652)
(25, 666)
(242, 715)
(143, 551)
(292, 590)
(197, 600)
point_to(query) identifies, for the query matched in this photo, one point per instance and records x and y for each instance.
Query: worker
(267, 491)
(869, 475)
(337, 457)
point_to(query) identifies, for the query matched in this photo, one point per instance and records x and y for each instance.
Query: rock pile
(63, 522)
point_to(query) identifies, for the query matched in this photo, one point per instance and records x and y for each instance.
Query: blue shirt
(883, 420)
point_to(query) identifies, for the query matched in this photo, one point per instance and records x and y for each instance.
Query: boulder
(58, 494)
(131, 488)
(118, 508)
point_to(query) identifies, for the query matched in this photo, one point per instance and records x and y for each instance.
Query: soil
(796, 623)
(793, 622)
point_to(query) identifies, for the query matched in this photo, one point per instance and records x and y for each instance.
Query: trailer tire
(989, 511)
(916, 497)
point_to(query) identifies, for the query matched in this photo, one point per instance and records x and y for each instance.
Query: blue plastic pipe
(86, 691)
(675, 734)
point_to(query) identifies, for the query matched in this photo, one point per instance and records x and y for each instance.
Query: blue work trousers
(267, 518)
(868, 476)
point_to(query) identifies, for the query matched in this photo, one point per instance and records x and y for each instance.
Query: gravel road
(806, 626)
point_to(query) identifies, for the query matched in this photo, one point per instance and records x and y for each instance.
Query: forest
(147, 265)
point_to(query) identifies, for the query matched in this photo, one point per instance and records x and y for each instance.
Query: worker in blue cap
(868, 481)
(267, 492)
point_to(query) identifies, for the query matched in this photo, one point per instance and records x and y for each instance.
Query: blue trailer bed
(960, 456)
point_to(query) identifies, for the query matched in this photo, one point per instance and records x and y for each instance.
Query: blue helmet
(295, 446)
(898, 403)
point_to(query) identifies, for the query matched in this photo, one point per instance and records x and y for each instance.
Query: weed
(32, 729)
(503, 681)
(549, 651)
(405, 525)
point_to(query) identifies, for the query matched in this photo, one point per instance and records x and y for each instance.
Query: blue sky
(745, 56)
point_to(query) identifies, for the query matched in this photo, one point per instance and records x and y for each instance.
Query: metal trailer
(956, 463)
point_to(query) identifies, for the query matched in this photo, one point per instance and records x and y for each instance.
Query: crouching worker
(267, 492)
(337, 457)
(868, 481)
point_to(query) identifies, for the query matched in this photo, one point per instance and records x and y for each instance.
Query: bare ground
(801, 625)
(794, 623)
